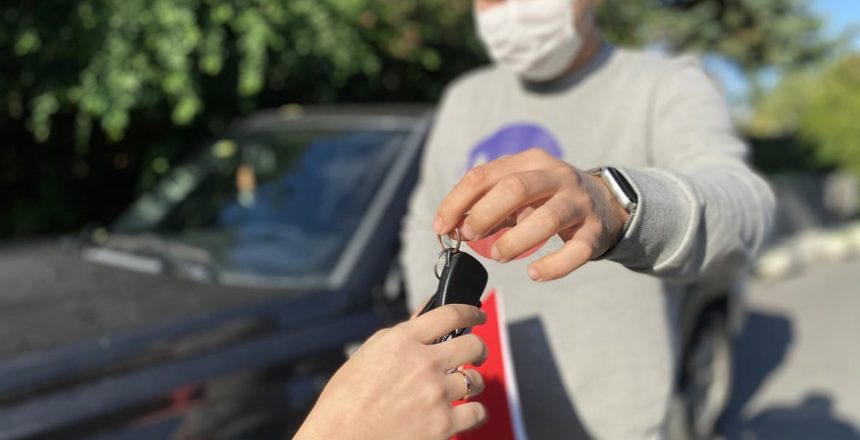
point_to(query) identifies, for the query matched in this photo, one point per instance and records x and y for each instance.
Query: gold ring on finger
(468, 381)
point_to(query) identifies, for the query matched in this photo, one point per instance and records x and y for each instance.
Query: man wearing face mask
(598, 182)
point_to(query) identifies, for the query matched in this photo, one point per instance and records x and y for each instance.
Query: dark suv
(217, 303)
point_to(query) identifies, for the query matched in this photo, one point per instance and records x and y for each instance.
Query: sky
(839, 16)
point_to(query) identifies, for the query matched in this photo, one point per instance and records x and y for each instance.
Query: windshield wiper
(175, 257)
(153, 244)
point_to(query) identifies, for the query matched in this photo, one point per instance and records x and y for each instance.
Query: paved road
(798, 358)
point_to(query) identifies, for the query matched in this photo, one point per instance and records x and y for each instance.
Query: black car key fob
(462, 281)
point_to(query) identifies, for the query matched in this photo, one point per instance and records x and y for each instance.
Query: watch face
(624, 184)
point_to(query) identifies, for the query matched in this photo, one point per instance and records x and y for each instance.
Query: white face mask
(533, 38)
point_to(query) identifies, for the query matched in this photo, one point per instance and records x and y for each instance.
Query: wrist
(616, 210)
(319, 424)
(623, 202)
(309, 431)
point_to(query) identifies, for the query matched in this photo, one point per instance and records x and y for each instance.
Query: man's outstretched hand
(540, 196)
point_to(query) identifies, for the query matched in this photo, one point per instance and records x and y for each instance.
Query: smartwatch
(622, 190)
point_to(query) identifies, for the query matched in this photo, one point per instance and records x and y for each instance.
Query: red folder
(500, 396)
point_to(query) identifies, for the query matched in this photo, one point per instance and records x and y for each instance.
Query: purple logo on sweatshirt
(512, 139)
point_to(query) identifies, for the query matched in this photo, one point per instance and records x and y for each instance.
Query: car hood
(50, 295)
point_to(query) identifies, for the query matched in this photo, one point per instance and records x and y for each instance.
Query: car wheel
(706, 380)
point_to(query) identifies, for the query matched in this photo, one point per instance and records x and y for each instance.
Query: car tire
(706, 380)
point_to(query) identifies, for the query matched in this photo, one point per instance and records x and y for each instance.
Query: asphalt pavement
(798, 358)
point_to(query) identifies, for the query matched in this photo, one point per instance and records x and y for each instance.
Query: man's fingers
(506, 197)
(455, 384)
(467, 349)
(547, 220)
(443, 320)
(467, 416)
(577, 251)
(471, 187)
(477, 182)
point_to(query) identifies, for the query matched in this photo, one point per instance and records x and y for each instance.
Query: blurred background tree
(103, 59)
(755, 35)
(830, 118)
(818, 106)
(99, 97)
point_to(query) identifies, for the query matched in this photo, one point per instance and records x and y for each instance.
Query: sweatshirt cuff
(664, 218)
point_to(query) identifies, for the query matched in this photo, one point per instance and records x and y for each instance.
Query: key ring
(447, 253)
(459, 241)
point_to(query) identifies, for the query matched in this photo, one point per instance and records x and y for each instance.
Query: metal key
(462, 281)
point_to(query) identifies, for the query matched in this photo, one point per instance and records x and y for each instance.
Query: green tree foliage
(779, 111)
(752, 34)
(104, 59)
(831, 117)
(820, 106)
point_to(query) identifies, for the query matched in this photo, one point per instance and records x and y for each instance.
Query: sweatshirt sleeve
(702, 210)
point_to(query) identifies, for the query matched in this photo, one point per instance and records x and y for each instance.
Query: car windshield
(274, 203)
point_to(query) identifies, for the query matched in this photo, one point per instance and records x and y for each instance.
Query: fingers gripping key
(462, 281)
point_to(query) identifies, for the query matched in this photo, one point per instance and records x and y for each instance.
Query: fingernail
(437, 224)
(494, 253)
(533, 274)
(468, 233)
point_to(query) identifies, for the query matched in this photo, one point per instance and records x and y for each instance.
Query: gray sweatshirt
(596, 351)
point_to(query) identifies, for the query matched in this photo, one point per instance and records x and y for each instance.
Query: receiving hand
(540, 196)
(399, 386)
